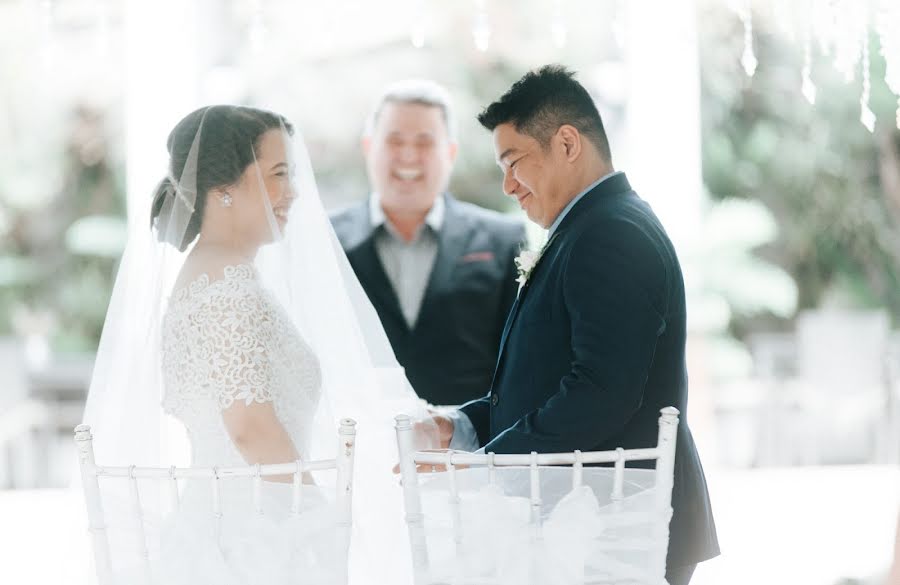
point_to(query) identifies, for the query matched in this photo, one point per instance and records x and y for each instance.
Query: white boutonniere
(526, 261)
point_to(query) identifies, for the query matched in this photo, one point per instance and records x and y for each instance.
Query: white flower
(527, 260)
(525, 263)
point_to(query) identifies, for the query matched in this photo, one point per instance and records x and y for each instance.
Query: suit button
(494, 399)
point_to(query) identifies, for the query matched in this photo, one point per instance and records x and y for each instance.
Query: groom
(594, 345)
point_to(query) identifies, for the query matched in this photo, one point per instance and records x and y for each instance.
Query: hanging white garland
(748, 58)
(888, 25)
(840, 28)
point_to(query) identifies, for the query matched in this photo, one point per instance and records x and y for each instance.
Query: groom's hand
(439, 427)
(444, 428)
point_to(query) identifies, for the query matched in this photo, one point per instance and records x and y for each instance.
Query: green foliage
(62, 235)
(815, 167)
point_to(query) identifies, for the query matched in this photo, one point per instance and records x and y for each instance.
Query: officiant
(439, 271)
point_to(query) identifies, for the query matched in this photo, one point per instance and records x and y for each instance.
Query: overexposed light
(417, 38)
(481, 34)
(481, 27)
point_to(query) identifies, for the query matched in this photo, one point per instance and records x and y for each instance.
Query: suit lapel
(613, 185)
(452, 240)
(514, 311)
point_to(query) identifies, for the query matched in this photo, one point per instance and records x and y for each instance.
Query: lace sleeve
(222, 341)
(237, 332)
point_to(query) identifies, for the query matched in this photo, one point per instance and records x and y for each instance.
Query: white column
(662, 130)
(663, 158)
(162, 77)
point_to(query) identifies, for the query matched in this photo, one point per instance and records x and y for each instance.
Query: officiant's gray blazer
(450, 352)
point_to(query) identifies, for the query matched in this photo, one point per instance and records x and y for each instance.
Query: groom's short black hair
(542, 101)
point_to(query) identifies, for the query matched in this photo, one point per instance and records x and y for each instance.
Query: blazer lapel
(611, 186)
(514, 311)
(452, 240)
(365, 261)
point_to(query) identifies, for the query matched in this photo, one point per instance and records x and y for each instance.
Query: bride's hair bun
(229, 137)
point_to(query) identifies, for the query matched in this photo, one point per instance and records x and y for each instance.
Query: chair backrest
(658, 505)
(91, 472)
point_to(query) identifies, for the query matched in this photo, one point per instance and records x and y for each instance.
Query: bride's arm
(259, 436)
(235, 341)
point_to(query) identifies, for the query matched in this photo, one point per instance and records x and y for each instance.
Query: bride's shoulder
(204, 269)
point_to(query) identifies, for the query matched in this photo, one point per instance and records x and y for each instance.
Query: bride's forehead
(272, 145)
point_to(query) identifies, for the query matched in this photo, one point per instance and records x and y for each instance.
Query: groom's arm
(464, 437)
(612, 289)
(478, 413)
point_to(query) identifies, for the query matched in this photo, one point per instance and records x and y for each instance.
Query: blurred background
(763, 132)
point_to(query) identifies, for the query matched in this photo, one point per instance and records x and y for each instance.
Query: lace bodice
(227, 340)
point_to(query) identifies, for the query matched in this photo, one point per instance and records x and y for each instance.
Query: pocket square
(477, 257)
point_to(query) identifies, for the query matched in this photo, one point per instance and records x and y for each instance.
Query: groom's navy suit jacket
(594, 347)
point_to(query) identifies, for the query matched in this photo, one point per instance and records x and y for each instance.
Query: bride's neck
(225, 246)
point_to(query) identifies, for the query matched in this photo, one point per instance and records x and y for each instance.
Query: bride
(235, 334)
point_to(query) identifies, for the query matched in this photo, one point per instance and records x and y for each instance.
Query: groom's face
(409, 156)
(534, 175)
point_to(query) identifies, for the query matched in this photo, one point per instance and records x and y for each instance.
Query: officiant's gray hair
(424, 92)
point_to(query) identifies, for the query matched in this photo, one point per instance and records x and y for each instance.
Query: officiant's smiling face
(409, 155)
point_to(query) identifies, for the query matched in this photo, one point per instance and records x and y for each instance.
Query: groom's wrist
(463, 436)
(445, 428)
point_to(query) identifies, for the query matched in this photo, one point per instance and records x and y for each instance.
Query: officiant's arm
(612, 288)
(259, 436)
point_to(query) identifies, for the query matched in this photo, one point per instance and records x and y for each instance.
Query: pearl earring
(226, 200)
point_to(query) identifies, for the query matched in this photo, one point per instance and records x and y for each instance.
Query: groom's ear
(366, 144)
(570, 138)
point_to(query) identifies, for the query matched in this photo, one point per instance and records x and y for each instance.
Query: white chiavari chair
(619, 535)
(93, 475)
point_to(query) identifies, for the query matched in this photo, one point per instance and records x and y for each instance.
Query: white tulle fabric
(584, 535)
(243, 547)
(291, 326)
(225, 340)
(228, 340)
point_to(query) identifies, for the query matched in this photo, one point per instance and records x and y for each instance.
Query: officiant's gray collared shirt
(407, 264)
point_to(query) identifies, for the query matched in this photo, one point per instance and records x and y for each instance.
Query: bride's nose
(290, 192)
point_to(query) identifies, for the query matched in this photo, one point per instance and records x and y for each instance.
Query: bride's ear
(220, 197)
(366, 144)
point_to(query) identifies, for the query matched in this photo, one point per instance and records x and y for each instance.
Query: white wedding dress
(295, 330)
(228, 340)
(224, 340)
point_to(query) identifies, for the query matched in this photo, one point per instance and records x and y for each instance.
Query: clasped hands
(444, 426)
